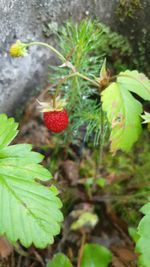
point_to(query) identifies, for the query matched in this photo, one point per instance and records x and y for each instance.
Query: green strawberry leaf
(133, 233)
(143, 243)
(59, 260)
(29, 211)
(123, 113)
(135, 82)
(8, 130)
(95, 256)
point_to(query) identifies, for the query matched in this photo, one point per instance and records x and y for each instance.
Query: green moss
(140, 60)
(128, 8)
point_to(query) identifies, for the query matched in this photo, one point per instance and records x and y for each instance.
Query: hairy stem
(50, 47)
(88, 79)
(66, 63)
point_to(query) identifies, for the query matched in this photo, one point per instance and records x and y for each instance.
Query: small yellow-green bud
(18, 49)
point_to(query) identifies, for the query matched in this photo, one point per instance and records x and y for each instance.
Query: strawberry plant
(115, 108)
(122, 110)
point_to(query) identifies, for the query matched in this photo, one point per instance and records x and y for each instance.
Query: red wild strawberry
(56, 121)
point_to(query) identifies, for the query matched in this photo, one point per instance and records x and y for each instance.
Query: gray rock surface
(26, 19)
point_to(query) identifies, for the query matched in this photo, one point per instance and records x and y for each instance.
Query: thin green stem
(63, 59)
(69, 76)
(65, 63)
(86, 78)
(81, 249)
(54, 101)
(102, 139)
(50, 47)
(79, 75)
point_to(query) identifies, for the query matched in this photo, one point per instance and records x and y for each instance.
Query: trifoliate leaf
(143, 243)
(95, 256)
(146, 117)
(123, 113)
(135, 82)
(29, 211)
(59, 260)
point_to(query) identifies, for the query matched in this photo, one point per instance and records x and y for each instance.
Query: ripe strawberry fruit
(56, 121)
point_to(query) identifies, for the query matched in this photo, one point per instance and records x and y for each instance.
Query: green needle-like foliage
(93, 119)
(86, 44)
(29, 211)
